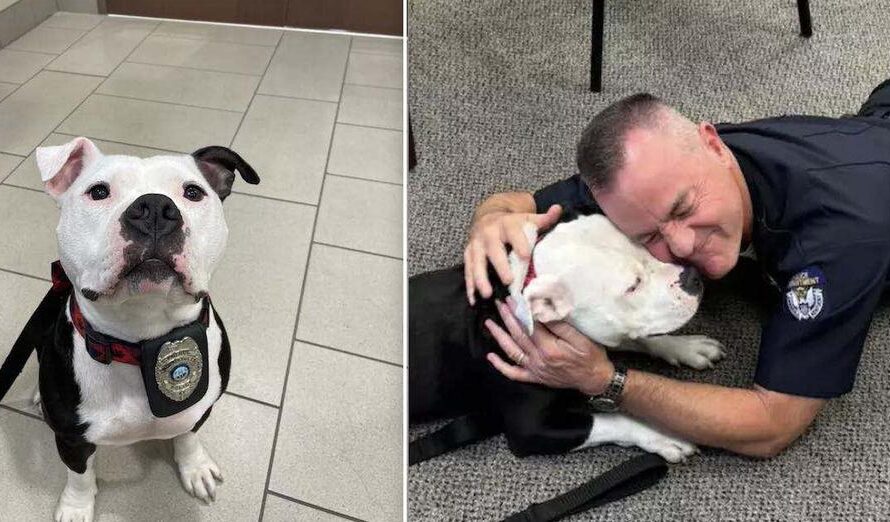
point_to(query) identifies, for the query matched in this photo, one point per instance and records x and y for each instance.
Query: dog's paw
(74, 508)
(696, 351)
(670, 449)
(199, 475)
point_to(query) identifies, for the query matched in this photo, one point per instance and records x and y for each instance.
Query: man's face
(680, 197)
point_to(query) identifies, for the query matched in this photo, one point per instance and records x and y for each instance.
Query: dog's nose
(690, 281)
(153, 215)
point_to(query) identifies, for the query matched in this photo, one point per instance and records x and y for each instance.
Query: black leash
(458, 433)
(625, 479)
(42, 318)
(629, 477)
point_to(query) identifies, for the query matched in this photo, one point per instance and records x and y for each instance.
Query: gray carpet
(497, 98)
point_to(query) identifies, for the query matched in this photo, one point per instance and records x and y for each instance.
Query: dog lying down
(586, 272)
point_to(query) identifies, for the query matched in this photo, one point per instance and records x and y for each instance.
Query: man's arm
(755, 422)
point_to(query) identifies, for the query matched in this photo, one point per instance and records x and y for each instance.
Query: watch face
(602, 405)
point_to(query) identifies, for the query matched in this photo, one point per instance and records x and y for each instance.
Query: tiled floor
(311, 285)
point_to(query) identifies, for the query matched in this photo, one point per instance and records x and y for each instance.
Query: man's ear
(549, 299)
(218, 165)
(61, 165)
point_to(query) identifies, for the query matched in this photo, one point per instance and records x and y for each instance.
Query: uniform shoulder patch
(804, 293)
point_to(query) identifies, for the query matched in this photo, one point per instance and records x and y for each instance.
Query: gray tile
(81, 21)
(27, 175)
(19, 297)
(33, 476)
(352, 467)
(359, 214)
(152, 124)
(15, 21)
(47, 40)
(35, 212)
(374, 106)
(20, 66)
(28, 115)
(257, 289)
(220, 33)
(372, 44)
(367, 153)
(139, 482)
(79, 6)
(100, 51)
(6, 89)
(203, 54)
(7, 164)
(307, 65)
(378, 70)
(353, 302)
(281, 510)
(214, 90)
(43, 9)
(286, 141)
(117, 22)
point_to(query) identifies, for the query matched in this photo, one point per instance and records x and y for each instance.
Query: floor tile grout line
(369, 126)
(5, 183)
(47, 68)
(196, 68)
(303, 285)
(246, 398)
(356, 250)
(347, 352)
(20, 412)
(313, 506)
(378, 53)
(208, 40)
(295, 97)
(374, 86)
(347, 176)
(11, 172)
(253, 96)
(14, 272)
(166, 102)
(24, 51)
(168, 151)
(79, 38)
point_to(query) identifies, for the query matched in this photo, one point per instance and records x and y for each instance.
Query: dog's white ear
(549, 299)
(61, 165)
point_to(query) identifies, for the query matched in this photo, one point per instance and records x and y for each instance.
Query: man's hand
(556, 355)
(489, 235)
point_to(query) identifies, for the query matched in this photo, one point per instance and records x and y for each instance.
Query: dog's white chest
(114, 404)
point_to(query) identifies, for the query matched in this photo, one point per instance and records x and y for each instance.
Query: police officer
(808, 196)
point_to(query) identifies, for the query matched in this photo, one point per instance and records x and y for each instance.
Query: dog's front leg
(696, 351)
(616, 428)
(197, 469)
(79, 496)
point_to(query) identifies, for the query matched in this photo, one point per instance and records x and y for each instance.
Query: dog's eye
(194, 193)
(633, 287)
(100, 191)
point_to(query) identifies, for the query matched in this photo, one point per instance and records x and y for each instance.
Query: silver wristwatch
(610, 400)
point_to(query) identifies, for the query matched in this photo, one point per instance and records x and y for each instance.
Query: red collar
(101, 347)
(530, 272)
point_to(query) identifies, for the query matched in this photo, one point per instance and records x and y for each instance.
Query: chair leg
(806, 23)
(597, 9)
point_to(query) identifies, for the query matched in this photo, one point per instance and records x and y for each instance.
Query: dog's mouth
(153, 269)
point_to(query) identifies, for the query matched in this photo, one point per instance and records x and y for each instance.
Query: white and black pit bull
(132, 349)
(584, 271)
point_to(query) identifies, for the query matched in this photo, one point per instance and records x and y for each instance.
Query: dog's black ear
(218, 165)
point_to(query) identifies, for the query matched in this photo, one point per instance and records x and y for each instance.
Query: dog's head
(590, 274)
(131, 226)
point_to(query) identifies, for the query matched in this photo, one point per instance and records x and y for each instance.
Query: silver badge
(178, 369)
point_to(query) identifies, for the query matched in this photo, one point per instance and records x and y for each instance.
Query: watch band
(610, 399)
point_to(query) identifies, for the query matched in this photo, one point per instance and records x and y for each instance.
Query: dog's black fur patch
(448, 374)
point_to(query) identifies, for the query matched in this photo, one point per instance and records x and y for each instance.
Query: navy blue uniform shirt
(820, 189)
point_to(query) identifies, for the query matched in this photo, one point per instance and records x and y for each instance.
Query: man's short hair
(600, 151)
